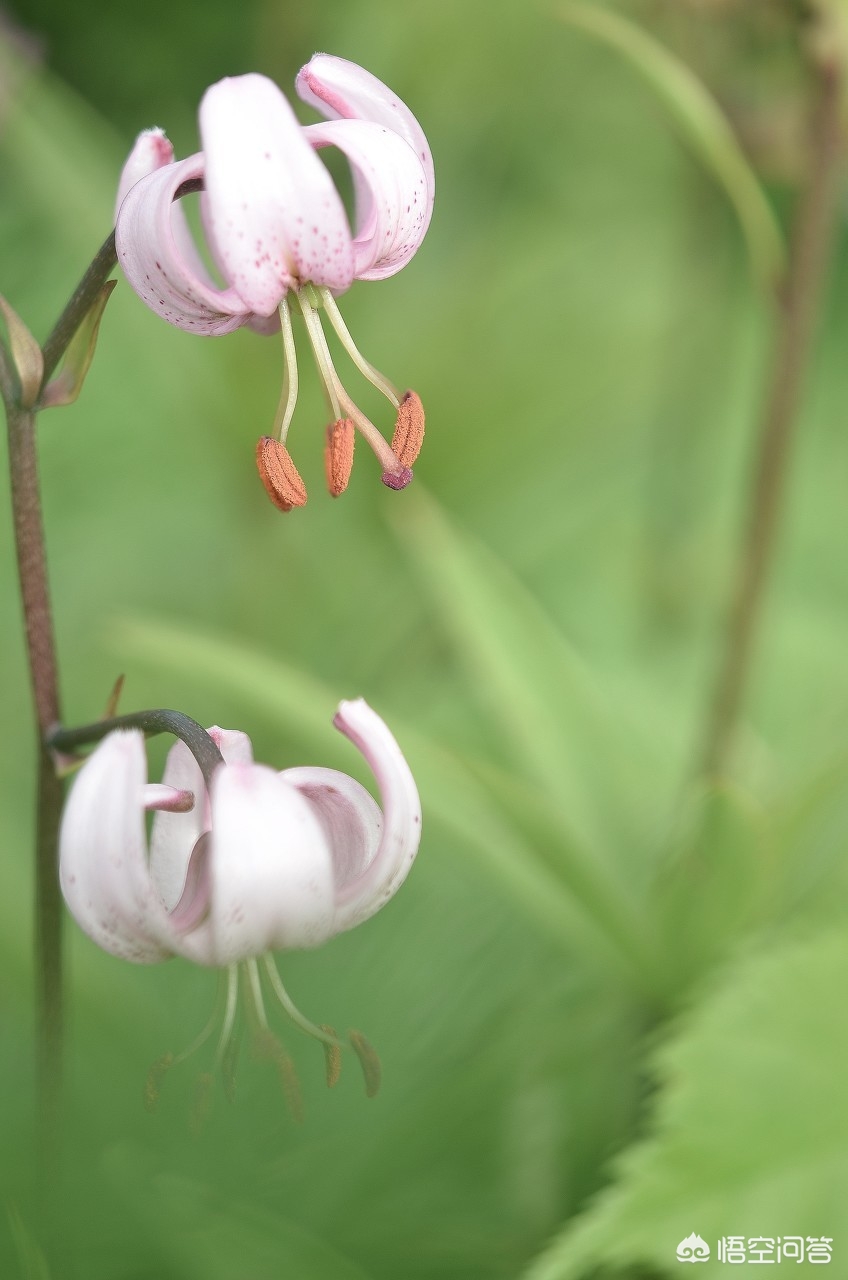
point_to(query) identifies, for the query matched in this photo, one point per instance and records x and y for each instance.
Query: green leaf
(26, 355)
(715, 888)
(66, 386)
(32, 1261)
(702, 124)
(212, 1236)
(750, 1129)
(543, 706)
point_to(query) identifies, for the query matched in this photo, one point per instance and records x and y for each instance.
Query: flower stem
(160, 720)
(35, 598)
(793, 340)
(81, 302)
(41, 652)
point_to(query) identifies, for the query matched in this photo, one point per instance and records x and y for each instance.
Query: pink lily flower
(262, 861)
(276, 227)
(259, 861)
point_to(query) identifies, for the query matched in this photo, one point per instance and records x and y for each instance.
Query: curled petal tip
(400, 832)
(152, 150)
(279, 475)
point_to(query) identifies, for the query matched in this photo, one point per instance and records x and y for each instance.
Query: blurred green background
(590, 958)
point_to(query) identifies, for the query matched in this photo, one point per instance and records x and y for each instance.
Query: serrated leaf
(750, 1131)
(702, 125)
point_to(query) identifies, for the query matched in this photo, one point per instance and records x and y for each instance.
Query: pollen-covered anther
(332, 1057)
(372, 1071)
(338, 455)
(153, 1083)
(279, 475)
(409, 429)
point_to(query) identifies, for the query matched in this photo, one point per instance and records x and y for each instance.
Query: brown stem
(795, 329)
(32, 571)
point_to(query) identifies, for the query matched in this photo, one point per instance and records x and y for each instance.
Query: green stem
(159, 720)
(793, 342)
(81, 302)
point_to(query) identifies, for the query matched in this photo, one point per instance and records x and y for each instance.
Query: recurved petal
(151, 151)
(102, 853)
(271, 212)
(350, 817)
(271, 871)
(157, 255)
(173, 836)
(392, 210)
(367, 893)
(340, 89)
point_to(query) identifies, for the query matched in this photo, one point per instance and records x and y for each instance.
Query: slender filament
(288, 396)
(321, 351)
(365, 367)
(291, 1008)
(339, 399)
(229, 1014)
(252, 970)
(204, 1035)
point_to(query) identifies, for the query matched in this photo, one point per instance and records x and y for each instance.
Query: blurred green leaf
(702, 124)
(33, 1264)
(750, 1127)
(714, 889)
(543, 706)
(210, 1236)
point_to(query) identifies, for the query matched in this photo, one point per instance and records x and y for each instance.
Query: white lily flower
(261, 861)
(275, 224)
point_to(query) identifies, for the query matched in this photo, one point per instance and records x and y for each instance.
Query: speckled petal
(270, 210)
(351, 818)
(391, 194)
(362, 897)
(272, 877)
(160, 262)
(341, 90)
(102, 853)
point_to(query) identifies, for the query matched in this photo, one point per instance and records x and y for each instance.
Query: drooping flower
(275, 226)
(257, 861)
